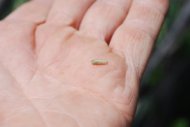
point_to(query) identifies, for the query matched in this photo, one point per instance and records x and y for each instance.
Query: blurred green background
(165, 88)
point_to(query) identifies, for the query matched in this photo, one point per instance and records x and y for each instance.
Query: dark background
(165, 88)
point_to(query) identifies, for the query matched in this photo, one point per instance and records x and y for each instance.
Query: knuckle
(137, 33)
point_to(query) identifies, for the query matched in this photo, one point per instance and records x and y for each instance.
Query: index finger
(135, 37)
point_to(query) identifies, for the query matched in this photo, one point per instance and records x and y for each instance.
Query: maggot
(99, 62)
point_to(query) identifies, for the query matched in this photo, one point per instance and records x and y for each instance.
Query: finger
(32, 11)
(68, 12)
(104, 17)
(134, 39)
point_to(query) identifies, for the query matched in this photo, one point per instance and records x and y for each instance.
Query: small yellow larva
(99, 62)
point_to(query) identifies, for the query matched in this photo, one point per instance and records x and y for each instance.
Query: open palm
(46, 52)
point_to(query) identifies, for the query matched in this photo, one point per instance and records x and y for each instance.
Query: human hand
(46, 70)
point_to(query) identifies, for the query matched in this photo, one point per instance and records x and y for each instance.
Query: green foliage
(156, 76)
(18, 3)
(181, 123)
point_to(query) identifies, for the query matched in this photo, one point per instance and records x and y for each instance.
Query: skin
(47, 78)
